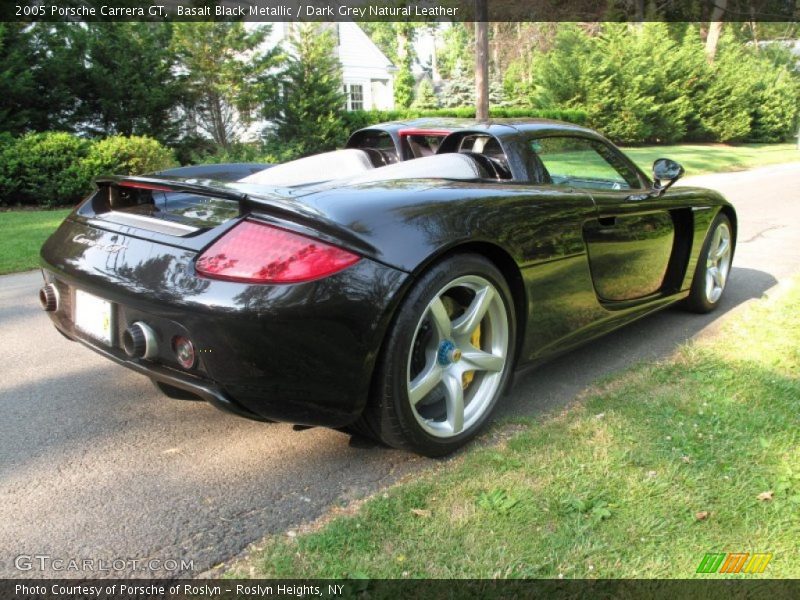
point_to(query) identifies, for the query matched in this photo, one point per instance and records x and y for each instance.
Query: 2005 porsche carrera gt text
(390, 288)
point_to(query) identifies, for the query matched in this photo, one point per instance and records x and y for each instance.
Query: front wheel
(713, 267)
(446, 358)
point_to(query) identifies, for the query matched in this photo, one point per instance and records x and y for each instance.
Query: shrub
(425, 97)
(776, 111)
(404, 87)
(56, 169)
(235, 153)
(120, 155)
(44, 169)
(307, 114)
(363, 118)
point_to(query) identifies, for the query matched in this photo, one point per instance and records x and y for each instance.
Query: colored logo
(734, 562)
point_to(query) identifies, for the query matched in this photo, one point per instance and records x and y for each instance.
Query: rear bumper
(203, 388)
(300, 353)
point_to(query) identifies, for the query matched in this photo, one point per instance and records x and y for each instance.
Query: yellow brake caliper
(475, 340)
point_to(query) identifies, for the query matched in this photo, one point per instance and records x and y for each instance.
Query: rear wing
(148, 205)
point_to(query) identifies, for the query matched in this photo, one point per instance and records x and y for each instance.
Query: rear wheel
(713, 267)
(446, 359)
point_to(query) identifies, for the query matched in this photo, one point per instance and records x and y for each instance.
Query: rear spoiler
(278, 204)
(208, 187)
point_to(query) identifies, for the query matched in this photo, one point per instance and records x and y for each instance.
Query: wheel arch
(729, 212)
(500, 258)
(507, 266)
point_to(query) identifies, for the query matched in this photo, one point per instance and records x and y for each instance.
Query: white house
(368, 75)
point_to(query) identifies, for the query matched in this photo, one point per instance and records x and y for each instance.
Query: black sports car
(368, 290)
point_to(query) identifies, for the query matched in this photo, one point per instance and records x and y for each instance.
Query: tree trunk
(715, 29)
(481, 61)
(638, 11)
(434, 60)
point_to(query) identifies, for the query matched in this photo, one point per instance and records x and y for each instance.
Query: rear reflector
(184, 351)
(143, 186)
(255, 252)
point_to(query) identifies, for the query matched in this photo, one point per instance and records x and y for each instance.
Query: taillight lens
(260, 253)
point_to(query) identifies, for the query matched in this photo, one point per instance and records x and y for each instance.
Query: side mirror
(667, 170)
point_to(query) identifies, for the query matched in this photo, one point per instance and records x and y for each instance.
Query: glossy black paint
(257, 345)
(579, 263)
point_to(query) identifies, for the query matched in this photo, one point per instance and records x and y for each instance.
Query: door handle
(637, 197)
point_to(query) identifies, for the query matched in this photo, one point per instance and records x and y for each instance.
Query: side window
(582, 163)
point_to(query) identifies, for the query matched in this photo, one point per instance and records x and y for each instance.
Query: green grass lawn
(640, 478)
(22, 233)
(710, 158)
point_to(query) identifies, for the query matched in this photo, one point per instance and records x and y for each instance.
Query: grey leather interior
(439, 166)
(313, 169)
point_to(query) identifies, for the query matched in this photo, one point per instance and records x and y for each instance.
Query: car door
(630, 241)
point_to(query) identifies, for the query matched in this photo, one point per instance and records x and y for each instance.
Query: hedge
(56, 169)
(362, 118)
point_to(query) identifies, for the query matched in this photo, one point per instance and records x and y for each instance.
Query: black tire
(698, 300)
(389, 416)
(175, 393)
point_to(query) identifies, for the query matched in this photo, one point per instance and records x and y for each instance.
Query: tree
(307, 111)
(558, 76)
(404, 86)
(459, 91)
(396, 41)
(715, 29)
(456, 54)
(226, 72)
(481, 63)
(394, 38)
(425, 98)
(42, 79)
(17, 82)
(131, 89)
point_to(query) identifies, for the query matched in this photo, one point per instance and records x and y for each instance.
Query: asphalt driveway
(96, 465)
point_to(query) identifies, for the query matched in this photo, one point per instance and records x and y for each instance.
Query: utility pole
(715, 29)
(481, 61)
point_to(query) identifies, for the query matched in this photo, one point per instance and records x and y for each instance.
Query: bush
(44, 169)
(134, 155)
(307, 114)
(56, 169)
(358, 119)
(776, 111)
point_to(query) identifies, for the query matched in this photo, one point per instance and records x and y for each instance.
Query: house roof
(357, 49)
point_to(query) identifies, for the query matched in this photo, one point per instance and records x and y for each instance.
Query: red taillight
(260, 253)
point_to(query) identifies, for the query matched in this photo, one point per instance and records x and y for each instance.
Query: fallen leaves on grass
(421, 512)
(701, 515)
(765, 496)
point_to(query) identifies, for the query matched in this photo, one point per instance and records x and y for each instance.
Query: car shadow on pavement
(652, 338)
(109, 402)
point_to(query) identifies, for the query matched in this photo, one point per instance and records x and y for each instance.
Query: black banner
(398, 10)
(230, 589)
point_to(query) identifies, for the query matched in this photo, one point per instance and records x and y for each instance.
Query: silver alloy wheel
(718, 263)
(442, 403)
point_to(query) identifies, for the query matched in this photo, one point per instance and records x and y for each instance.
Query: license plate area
(93, 316)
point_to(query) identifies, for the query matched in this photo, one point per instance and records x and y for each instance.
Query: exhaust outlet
(139, 341)
(48, 298)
